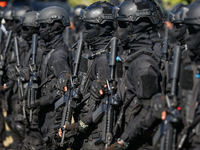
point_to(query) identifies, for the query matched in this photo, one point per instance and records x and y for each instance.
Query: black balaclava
(17, 26)
(133, 35)
(192, 39)
(48, 31)
(130, 30)
(94, 33)
(78, 23)
(179, 32)
(9, 24)
(27, 32)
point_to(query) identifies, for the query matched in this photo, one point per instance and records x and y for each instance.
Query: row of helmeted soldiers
(107, 81)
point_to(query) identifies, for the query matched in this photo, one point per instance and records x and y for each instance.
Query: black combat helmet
(99, 21)
(7, 14)
(53, 13)
(29, 25)
(178, 15)
(20, 12)
(76, 10)
(29, 19)
(179, 28)
(193, 14)
(98, 13)
(133, 10)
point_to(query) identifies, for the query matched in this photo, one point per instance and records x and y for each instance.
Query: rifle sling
(46, 80)
(85, 98)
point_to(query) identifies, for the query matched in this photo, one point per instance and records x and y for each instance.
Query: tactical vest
(133, 105)
(189, 91)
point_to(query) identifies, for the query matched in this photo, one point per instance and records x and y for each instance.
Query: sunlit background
(165, 4)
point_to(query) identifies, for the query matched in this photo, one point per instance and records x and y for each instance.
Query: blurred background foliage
(167, 4)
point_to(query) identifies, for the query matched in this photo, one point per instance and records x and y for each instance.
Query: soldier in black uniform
(189, 79)
(141, 76)
(14, 119)
(33, 138)
(100, 26)
(2, 101)
(55, 66)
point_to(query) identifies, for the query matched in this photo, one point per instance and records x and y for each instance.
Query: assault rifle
(70, 103)
(106, 109)
(33, 82)
(3, 56)
(1, 40)
(165, 137)
(165, 43)
(19, 82)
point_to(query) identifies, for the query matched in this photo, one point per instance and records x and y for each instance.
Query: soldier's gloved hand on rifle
(25, 73)
(8, 84)
(63, 81)
(36, 104)
(11, 73)
(158, 105)
(74, 128)
(97, 90)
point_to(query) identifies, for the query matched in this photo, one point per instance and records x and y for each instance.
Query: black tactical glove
(76, 127)
(25, 73)
(63, 81)
(11, 73)
(115, 146)
(158, 105)
(8, 84)
(97, 90)
(36, 104)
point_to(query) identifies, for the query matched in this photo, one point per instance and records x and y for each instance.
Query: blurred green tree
(77, 2)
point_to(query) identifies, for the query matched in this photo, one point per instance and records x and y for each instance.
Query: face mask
(17, 26)
(27, 32)
(126, 30)
(9, 25)
(77, 22)
(48, 31)
(91, 32)
(179, 31)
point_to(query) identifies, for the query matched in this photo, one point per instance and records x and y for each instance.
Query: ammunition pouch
(48, 87)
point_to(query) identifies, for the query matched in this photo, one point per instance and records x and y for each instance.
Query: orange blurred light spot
(178, 108)
(163, 115)
(3, 3)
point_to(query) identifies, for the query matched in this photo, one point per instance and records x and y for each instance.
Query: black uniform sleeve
(100, 68)
(58, 63)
